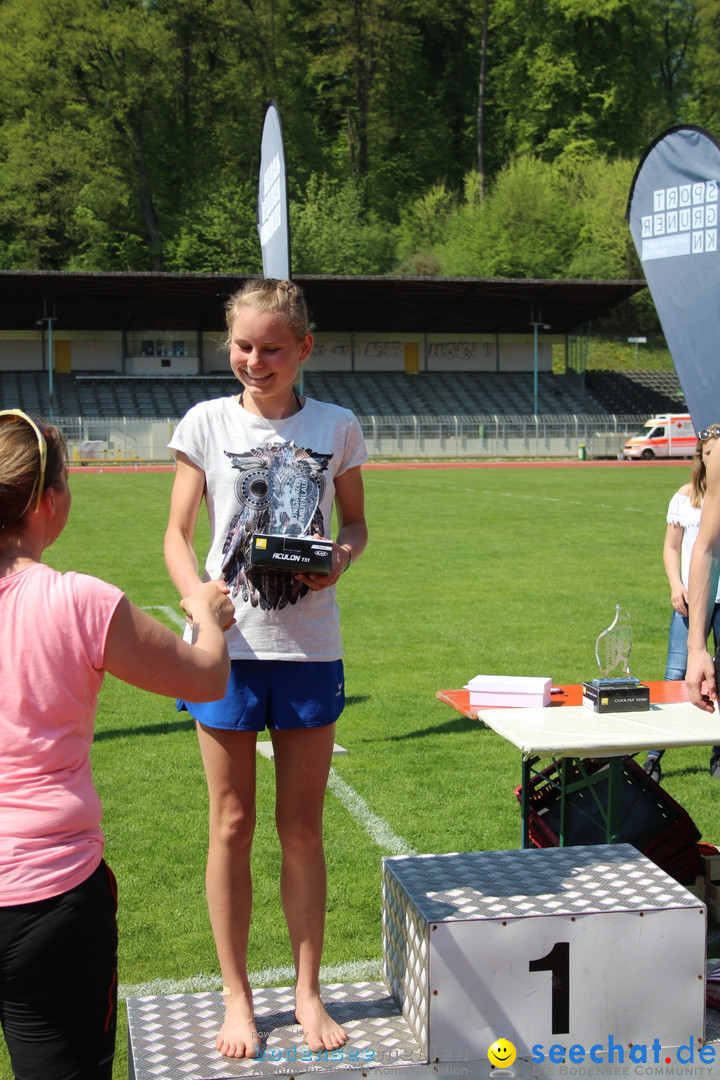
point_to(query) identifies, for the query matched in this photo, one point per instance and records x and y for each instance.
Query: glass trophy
(615, 690)
(612, 651)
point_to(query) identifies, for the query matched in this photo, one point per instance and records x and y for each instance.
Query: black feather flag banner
(673, 216)
(272, 213)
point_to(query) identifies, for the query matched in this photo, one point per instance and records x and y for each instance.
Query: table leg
(612, 820)
(565, 827)
(526, 773)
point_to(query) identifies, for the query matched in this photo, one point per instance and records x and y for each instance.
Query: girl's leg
(302, 765)
(229, 760)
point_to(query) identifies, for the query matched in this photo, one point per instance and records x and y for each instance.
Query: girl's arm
(352, 535)
(141, 651)
(671, 560)
(702, 589)
(350, 506)
(180, 557)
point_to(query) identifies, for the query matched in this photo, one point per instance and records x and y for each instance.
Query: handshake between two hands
(212, 597)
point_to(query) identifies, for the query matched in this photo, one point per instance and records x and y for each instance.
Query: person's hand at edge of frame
(700, 679)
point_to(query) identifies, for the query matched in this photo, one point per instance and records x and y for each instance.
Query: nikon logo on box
(630, 696)
(291, 553)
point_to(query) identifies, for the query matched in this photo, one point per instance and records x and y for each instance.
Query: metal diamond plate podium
(173, 1037)
(535, 946)
(538, 946)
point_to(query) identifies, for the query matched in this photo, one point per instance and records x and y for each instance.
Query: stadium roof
(116, 301)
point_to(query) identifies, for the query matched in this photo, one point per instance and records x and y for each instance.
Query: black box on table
(616, 695)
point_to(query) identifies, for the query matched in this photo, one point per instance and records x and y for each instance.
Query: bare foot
(320, 1031)
(238, 1037)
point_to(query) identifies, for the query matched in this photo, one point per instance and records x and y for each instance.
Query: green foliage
(79, 102)
(333, 232)
(568, 71)
(396, 83)
(603, 246)
(616, 354)
(129, 131)
(544, 220)
(524, 229)
(217, 233)
(422, 226)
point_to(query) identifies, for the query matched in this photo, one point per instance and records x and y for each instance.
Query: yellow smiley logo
(502, 1053)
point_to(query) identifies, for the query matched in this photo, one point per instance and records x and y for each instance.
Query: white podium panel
(543, 947)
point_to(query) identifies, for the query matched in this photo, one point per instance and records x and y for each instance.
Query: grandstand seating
(636, 391)
(366, 393)
(436, 393)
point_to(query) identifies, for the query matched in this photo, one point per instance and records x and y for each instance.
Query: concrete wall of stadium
(178, 352)
(126, 440)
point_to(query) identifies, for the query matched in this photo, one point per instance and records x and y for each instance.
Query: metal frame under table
(570, 734)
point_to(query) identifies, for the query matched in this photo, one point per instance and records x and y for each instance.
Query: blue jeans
(677, 655)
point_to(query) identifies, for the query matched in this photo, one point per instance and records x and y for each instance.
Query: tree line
(451, 137)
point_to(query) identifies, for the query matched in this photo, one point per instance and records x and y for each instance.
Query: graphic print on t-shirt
(279, 489)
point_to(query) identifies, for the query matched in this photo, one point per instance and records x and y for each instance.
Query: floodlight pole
(536, 326)
(49, 319)
(535, 367)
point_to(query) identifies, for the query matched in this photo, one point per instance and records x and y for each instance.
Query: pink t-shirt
(53, 642)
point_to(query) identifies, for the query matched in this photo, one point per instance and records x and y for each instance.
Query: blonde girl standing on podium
(268, 460)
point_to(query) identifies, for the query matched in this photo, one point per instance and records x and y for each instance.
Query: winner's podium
(582, 947)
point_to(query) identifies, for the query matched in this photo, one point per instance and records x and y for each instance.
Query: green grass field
(490, 570)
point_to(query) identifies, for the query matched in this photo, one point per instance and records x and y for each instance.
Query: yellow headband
(16, 415)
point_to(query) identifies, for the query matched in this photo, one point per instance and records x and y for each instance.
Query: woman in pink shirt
(58, 935)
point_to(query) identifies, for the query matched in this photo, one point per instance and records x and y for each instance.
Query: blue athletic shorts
(281, 694)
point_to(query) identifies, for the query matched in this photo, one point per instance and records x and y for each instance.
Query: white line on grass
(355, 971)
(169, 612)
(377, 829)
(524, 495)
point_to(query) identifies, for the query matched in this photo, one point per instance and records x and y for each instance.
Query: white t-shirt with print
(271, 476)
(682, 512)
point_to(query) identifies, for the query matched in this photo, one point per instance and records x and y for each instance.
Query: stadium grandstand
(455, 367)
(366, 393)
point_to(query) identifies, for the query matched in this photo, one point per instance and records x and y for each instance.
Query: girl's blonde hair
(698, 478)
(282, 298)
(20, 466)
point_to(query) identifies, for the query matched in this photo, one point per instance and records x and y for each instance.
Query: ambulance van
(668, 435)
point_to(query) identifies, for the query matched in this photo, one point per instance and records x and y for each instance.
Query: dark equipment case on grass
(650, 819)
